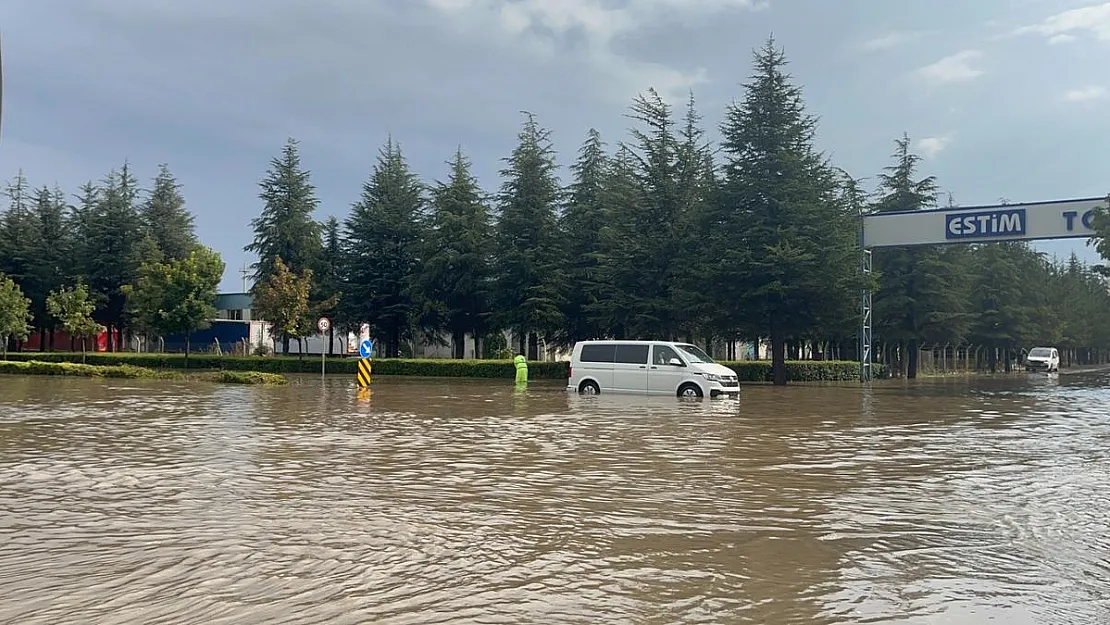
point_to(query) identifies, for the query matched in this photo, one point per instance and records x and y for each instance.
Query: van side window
(632, 354)
(662, 355)
(598, 353)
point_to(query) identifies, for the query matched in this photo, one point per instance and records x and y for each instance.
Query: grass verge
(132, 372)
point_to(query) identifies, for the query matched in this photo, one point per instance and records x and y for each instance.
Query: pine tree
(113, 238)
(530, 283)
(286, 228)
(614, 311)
(383, 235)
(17, 231)
(51, 264)
(580, 224)
(921, 295)
(328, 285)
(167, 220)
(80, 226)
(697, 184)
(787, 245)
(999, 299)
(454, 282)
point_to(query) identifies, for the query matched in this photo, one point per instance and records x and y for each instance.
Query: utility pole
(245, 273)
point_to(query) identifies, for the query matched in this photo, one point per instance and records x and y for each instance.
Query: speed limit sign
(323, 324)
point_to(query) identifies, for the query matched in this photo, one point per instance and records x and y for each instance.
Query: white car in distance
(1045, 359)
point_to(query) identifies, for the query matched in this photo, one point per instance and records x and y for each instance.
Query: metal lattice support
(865, 326)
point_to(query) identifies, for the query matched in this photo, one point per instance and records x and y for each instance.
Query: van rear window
(598, 353)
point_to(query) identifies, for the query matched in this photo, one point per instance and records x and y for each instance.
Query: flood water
(940, 501)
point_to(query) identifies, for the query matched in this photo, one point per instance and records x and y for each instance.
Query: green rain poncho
(521, 369)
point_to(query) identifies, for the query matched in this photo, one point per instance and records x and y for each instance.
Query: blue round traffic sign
(366, 348)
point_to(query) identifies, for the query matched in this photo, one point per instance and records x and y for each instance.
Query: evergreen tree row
(661, 235)
(101, 243)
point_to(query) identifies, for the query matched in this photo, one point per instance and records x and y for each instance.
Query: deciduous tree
(282, 300)
(73, 308)
(177, 296)
(15, 313)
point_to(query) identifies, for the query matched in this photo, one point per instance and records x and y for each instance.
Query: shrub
(248, 377)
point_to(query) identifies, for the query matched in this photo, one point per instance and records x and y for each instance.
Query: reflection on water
(423, 501)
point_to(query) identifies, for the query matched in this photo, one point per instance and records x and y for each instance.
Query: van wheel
(589, 387)
(689, 390)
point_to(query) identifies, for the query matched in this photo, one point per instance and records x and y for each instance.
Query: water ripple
(466, 502)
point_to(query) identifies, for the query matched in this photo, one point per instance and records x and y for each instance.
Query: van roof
(634, 341)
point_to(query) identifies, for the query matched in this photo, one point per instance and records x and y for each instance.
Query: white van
(1043, 359)
(651, 367)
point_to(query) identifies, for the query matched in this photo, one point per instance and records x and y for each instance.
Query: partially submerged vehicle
(649, 367)
(1045, 359)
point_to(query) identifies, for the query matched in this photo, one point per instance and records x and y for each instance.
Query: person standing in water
(521, 369)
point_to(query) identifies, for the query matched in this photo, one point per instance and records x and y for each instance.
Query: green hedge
(803, 370)
(747, 370)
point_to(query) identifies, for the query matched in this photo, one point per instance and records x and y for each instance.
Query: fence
(963, 358)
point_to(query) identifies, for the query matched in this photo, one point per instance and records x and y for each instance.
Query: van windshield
(694, 354)
(1040, 352)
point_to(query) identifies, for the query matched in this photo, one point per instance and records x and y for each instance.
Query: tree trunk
(84, 346)
(300, 348)
(477, 346)
(522, 341)
(458, 345)
(778, 357)
(331, 341)
(187, 346)
(913, 353)
(52, 332)
(285, 344)
(533, 346)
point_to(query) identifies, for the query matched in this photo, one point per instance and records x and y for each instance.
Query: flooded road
(942, 501)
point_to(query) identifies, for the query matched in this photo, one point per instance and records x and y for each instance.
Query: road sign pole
(323, 324)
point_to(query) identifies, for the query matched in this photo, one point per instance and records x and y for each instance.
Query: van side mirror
(674, 362)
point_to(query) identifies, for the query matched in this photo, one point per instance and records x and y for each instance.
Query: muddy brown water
(941, 501)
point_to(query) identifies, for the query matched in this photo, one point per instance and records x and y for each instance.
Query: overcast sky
(1005, 98)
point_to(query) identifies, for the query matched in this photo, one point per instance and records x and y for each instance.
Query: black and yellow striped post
(363, 372)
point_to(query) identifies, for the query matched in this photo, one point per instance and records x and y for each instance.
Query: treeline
(1001, 296)
(661, 235)
(117, 259)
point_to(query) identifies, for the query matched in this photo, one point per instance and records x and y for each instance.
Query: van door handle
(643, 366)
(654, 367)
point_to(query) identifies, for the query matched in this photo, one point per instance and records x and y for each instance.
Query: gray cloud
(214, 87)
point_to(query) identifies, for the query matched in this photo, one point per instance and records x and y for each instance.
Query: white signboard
(1067, 219)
